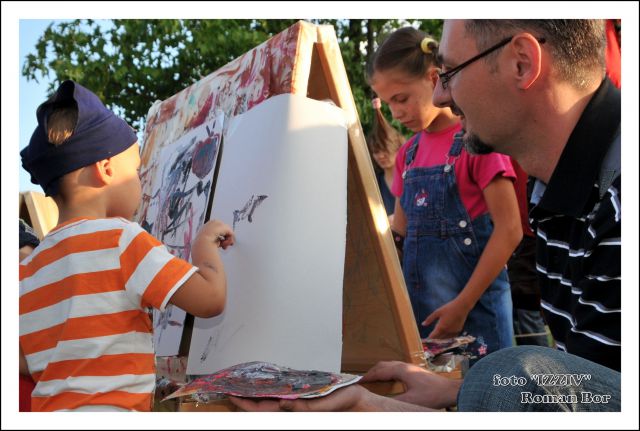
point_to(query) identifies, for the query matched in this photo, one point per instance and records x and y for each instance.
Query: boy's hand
(204, 293)
(219, 232)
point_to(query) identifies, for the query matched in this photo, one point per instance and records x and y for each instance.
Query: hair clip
(376, 103)
(424, 45)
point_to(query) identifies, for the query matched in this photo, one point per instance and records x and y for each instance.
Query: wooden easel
(378, 321)
(39, 211)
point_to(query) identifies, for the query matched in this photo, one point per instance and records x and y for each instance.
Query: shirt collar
(572, 180)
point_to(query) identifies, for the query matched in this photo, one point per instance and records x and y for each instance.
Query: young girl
(384, 142)
(458, 213)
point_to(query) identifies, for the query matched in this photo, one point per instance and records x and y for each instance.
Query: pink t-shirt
(473, 173)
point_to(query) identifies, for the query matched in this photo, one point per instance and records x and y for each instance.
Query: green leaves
(132, 63)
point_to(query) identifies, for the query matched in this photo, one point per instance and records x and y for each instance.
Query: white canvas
(283, 175)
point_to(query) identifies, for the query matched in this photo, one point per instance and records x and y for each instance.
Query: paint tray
(263, 380)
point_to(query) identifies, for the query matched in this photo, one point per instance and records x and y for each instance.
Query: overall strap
(413, 149)
(456, 147)
(454, 151)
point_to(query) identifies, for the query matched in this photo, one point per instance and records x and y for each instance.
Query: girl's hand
(451, 317)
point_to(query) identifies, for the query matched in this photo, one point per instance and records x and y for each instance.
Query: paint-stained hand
(424, 387)
(219, 232)
(451, 317)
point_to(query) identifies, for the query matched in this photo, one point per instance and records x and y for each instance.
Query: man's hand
(351, 398)
(424, 387)
(256, 404)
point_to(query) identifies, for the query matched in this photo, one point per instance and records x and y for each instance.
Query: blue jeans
(442, 248)
(539, 379)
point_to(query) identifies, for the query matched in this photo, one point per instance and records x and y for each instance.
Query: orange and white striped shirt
(85, 330)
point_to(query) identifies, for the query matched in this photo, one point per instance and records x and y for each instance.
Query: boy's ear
(103, 171)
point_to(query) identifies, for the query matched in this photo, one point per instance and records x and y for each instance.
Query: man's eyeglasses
(446, 76)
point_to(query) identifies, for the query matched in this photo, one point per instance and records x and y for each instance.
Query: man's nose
(441, 97)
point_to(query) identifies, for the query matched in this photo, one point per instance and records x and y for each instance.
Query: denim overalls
(442, 247)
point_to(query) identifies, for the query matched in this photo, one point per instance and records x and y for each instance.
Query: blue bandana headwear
(98, 135)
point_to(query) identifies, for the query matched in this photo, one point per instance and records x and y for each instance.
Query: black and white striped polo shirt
(577, 219)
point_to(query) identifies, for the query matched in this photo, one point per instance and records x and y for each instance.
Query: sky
(32, 93)
(24, 22)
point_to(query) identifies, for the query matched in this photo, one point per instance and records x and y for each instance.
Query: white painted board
(283, 174)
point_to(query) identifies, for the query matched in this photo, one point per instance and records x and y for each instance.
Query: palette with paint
(264, 380)
(433, 347)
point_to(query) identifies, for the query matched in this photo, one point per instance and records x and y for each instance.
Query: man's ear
(103, 171)
(526, 60)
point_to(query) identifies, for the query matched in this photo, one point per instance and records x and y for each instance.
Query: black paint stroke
(207, 350)
(247, 211)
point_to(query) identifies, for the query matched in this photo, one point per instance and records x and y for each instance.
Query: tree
(132, 63)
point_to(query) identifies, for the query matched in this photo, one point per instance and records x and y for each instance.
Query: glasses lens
(444, 79)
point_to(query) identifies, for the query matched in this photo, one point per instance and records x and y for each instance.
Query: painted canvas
(181, 127)
(282, 186)
(267, 70)
(264, 380)
(174, 205)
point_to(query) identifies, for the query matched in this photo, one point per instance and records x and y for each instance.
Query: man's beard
(471, 142)
(474, 145)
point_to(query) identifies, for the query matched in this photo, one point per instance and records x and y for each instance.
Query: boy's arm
(24, 252)
(204, 293)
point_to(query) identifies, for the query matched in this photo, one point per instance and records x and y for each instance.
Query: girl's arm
(500, 197)
(399, 228)
(399, 219)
